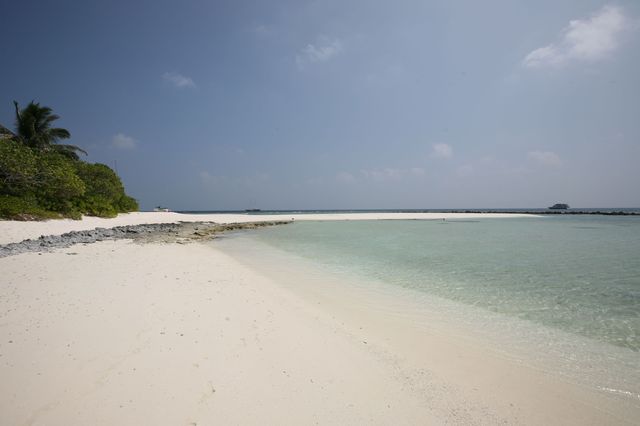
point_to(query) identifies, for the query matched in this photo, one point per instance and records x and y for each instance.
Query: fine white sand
(121, 333)
(124, 334)
(14, 231)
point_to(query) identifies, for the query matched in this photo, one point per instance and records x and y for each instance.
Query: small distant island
(43, 179)
(559, 206)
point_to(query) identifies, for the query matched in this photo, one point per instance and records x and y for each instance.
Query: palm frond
(58, 133)
(74, 148)
(70, 151)
(33, 126)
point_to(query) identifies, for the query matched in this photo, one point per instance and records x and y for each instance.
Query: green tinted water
(576, 274)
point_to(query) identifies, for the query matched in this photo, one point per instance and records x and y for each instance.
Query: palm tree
(33, 128)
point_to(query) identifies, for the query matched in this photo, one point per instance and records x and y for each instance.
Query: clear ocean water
(578, 276)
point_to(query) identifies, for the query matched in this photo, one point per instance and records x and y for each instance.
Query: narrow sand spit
(14, 231)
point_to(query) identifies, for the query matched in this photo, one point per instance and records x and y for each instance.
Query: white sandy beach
(12, 231)
(122, 333)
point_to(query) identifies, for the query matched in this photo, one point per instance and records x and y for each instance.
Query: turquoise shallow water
(578, 274)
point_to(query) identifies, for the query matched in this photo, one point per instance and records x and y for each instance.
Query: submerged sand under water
(341, 263)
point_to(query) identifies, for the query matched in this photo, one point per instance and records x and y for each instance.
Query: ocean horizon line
(532, 210)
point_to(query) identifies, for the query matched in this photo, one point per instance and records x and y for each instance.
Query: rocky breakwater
(181, 233)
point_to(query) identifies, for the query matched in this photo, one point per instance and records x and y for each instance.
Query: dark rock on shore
(182, 232)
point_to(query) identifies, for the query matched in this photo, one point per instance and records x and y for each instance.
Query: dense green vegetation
(41, 178)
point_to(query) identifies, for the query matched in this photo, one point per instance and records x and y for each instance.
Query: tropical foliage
(33, 128)
(40, 178)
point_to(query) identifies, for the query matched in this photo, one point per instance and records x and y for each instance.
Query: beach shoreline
(15, 231)
(472, 347)
(119, 332)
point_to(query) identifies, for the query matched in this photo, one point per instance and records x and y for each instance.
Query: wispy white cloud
(345, 177)
(589, 39)
(383, 175)
(545, 158)
(178, 80)
(442, 150)
(124, 142)
(323, 50)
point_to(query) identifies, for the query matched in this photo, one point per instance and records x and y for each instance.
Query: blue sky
(333, 104)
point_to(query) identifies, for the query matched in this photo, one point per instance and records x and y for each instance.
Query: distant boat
(252, 210)
(161, 209)
(559, 206)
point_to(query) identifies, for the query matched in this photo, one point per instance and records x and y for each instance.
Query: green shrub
(45, 181)
(23, 208)
(96, 206)
(58, 183)
(18, 168)
(104, 195)
(127, 204)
